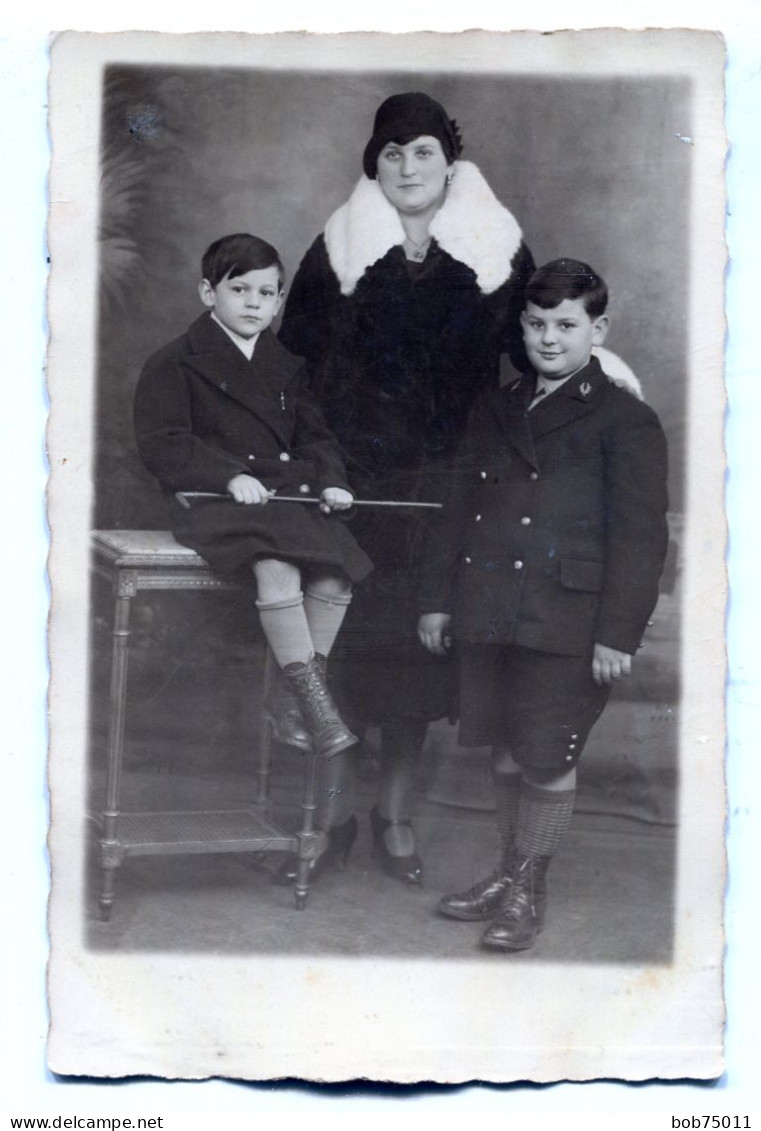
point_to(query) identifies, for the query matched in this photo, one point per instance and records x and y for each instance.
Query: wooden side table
(135, 560)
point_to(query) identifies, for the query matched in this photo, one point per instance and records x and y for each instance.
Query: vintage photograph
(384, 525)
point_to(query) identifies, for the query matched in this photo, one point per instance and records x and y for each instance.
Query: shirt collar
(245, 345)
(552, 386)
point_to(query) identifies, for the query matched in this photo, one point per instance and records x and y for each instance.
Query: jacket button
(478, 518)
(304, 489)
(252, 457)
(641, 644)
(574, 737)
(525, 521)
(517, 565)
(284, 457)
(569, 757)
(650, 623)
(468, 561)
(534, 475)
(572, 747)
(482, 474)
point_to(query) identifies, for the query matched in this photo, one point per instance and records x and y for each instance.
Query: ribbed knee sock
(544, 816)
(325, 616)
(284, 623)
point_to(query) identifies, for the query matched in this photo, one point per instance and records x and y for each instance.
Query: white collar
(471, 226)
(245, 345)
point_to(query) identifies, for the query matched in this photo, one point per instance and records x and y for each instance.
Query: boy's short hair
(567, 278)
(238, 254)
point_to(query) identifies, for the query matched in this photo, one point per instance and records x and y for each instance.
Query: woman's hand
(608, 664)
(432, 632)
(335, 499)
(246, 489)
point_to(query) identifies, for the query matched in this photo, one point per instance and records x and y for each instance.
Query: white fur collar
(471, 226)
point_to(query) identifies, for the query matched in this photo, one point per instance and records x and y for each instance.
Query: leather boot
(282, 711)
(522, 914)
(484, 900)
(329, 732)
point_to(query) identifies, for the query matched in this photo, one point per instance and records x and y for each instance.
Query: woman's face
(413, 176)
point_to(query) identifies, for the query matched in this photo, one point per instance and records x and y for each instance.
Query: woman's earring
(449, 178)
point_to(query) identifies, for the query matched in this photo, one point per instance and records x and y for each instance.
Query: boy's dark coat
(556, 531)
(204, 413)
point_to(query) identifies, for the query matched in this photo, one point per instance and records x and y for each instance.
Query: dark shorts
(231, 536)
(539, 705)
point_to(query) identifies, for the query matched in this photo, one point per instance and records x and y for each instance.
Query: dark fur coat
(396, 353)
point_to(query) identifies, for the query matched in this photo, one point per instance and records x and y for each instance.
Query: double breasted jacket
(205, 413)
(555, 531)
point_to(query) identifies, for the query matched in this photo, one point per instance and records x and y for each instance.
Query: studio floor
(193, 715)
(611, 893)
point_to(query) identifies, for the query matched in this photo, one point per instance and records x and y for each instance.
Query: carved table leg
(107, 893)
(312, 842)
(265, 735)
(111, 855)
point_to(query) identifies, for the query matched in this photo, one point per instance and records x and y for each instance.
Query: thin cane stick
(184, 497)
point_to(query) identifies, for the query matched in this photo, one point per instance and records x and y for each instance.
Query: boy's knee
(503, 761)
(548, 777)
(276, 580)
(333, 588)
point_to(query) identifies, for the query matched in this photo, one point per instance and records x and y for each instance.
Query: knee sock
(507, 794)
(285, 625)
(325, 614)
(544, 816)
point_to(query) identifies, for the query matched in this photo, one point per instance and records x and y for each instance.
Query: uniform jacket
(205, 413)
(555, 533)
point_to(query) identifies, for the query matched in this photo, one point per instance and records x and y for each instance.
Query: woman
(401, 309)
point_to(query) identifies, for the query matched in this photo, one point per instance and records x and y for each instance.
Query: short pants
(540, 705)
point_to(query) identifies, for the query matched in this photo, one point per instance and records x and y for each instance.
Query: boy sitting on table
(225, 409)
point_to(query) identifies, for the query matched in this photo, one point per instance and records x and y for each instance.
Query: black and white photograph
(387, 556)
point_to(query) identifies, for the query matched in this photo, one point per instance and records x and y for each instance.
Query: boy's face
(246, 304)
(559, 340)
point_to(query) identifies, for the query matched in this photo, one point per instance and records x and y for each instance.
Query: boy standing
(548, 569)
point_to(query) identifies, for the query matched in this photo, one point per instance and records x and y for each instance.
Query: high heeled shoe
(340, 843)
(407, 869)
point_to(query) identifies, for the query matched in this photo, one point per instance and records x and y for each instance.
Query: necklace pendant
(418, 254)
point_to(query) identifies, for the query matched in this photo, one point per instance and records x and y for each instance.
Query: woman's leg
(336, 790)
(326, 600)
(401, 744)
